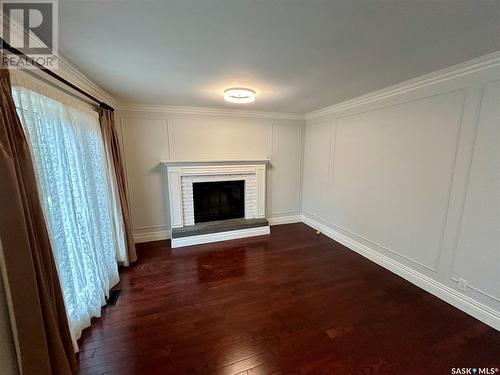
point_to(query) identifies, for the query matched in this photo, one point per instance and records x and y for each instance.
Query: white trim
(460, 301)
(154, 235)
(232, 161)
(160, 232)
(216, 237)
(189, 110)
(64, 69)
(180, 191)
(288, 219)
(474, 65)
(73, 75)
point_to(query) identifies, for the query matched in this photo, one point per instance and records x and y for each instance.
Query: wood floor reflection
(219, 265)
(289, 303)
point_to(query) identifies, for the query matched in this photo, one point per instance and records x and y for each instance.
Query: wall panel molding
(343, 222)
(479, 205)
(143, 172)
(393, 251)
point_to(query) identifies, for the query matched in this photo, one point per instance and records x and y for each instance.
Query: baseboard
(460, 301)
(154, 235)
(164, 234)
(222, 236)
(288, 219)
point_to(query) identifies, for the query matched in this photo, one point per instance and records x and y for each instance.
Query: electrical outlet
(462, 284)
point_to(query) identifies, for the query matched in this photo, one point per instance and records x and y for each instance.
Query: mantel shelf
(229, 161)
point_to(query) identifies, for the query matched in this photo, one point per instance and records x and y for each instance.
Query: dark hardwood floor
(289, 303)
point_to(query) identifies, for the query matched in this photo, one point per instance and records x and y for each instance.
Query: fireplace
(218, 200)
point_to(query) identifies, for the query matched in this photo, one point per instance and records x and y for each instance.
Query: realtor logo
(30, 27)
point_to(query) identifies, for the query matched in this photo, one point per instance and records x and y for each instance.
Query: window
(75, 191)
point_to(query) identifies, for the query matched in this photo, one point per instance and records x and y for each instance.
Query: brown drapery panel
(107, 121)
(39, 320)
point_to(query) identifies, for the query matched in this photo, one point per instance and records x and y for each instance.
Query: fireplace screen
(218, 200)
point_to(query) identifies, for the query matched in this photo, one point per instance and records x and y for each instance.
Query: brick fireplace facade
(182, 174)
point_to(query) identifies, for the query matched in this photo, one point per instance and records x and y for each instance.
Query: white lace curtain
(76, 193)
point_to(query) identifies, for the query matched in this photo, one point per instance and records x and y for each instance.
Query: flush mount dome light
(239, 95)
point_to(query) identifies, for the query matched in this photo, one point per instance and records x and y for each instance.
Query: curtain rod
(15, 51)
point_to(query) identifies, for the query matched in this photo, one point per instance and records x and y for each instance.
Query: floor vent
(113, 297)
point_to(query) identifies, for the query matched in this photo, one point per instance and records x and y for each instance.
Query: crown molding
(75, 76)
(64, 69)
(454, 71)
(208, 111)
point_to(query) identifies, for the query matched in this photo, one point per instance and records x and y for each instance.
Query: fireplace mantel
(216, 162)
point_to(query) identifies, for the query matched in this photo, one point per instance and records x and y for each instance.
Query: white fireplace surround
(182, 174)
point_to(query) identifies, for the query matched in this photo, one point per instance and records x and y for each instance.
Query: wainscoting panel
(479, 238)
(206, 137)
(410, 178)
(284, 171)
(392, 174)
(317, 154)
(145, 143)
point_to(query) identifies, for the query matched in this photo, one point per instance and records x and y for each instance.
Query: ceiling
(299, 55)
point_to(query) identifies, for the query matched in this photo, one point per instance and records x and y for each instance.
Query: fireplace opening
(218, 200)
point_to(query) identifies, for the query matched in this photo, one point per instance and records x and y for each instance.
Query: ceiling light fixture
(239, 95)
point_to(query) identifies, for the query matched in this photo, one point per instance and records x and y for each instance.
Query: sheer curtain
(76, 194)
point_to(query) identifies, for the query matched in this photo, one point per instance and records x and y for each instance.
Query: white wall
(410, 177)
(152, 135)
